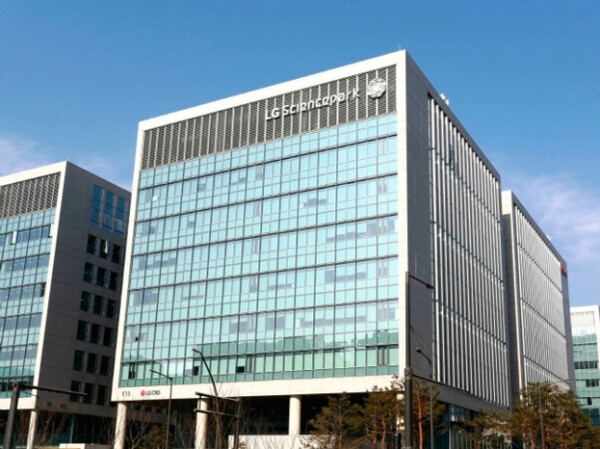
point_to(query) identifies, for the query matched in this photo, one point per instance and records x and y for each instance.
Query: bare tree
(51, 424)
(185, 428)
(141, 421)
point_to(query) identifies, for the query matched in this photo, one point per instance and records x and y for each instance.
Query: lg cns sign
(375, 89)
(126, 394)
(150, 393)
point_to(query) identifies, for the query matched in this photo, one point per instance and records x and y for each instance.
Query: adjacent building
(285, 235)
(62, 247)
(538, 302)
(585, 322)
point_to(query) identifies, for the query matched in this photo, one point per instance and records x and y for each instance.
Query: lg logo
(150, 393)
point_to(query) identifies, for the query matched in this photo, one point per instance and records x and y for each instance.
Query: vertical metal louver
(467, 244)
(342, 111)
(313, 121)
(247, 124)
(195, 134)
(32, 195)
(253, 123)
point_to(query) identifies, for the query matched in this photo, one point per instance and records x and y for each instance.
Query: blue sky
(76, 77)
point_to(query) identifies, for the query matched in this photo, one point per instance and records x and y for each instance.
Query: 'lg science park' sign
(375, 89)
(329, 100)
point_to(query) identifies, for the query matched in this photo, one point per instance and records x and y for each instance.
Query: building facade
(538, 302)
(303, 239)
(585, 322)
(62, 247)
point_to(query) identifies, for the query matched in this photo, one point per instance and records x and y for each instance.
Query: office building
(62, 245)
(585, 322)
(538, 301)
(285, 234)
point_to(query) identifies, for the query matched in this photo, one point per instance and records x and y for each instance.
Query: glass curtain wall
(586, 329)
(276, 261)
(25, 244)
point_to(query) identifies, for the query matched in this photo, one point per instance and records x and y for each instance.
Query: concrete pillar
(201, 425)
(295, 415)
(33, 420)
(121, 425)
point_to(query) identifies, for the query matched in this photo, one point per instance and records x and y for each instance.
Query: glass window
(116, 254)
(82, 330)
(108, 337)
(108, 211)
(113, 280)
(91, 244)
(31, 263)
(22, 236)
(36, 320)
(111, 308)
(102, 395)
(104, 365)
(78, 361)
(104, 248)
(89, 393)
(121, 208)
(95, 333)
(43, 260)
(91, 363)
(35, 234)
(19, 264)
(96, 206)
(101, 277)
(6, 266)
(88, 272)
(75, 386)
(85, 301)
(98, 304)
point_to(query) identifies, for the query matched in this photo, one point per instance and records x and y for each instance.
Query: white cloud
(118, 173)
(20, 153)
(569, 213)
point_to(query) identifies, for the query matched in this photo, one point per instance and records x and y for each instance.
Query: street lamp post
(169, 406)
(408, 368)
(217, 405)
(17, 387)
(431, 430)
(217, 412)
(212, 380)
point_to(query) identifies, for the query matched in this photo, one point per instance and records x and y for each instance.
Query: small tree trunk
(420, 418)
